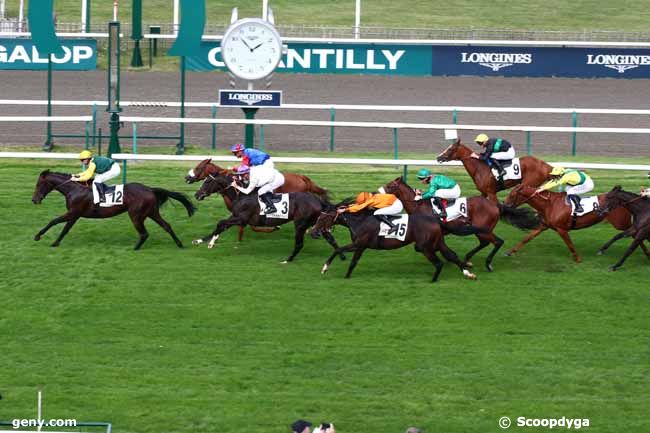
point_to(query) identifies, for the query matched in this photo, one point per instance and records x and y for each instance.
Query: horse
(556, 214)
(140, 201)
(292, 183)
(303, 210)
(639, 207)
(533, 171)
(425, 231)
(481, 213)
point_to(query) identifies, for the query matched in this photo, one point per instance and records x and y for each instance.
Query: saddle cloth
(589, 204)
(399, 232)
(114, 195)
(513, 170)
(281, 202)
(457, 209)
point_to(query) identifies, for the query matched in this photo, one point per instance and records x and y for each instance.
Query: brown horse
(533, 171)
(292, 183)
(481, 214)
(556, 214)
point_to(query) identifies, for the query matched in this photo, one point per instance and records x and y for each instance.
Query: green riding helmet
(423, 173)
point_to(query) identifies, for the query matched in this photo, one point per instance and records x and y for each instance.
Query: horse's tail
(162, 195)
(462, 230)
(523, 219)
(315, 189)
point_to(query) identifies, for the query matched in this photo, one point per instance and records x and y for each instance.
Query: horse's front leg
(221, 227)
(65, 231)
(330, 240)
(628, 232)
(527, 239)
(58, 220)
(343, 249)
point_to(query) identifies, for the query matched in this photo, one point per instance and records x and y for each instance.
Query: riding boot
(267, 198)
(576, 201)
(440, 205)
(500, 169)
(385, 219)
(101, 191)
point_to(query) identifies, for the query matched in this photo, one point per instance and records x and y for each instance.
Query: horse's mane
(55, 173)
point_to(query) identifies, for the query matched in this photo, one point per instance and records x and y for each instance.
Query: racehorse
(639, 207)
(481, 213)
(140, 202)
(292, 183)
(533, 171)
(556, 214)
(303, 210)
(425, 230)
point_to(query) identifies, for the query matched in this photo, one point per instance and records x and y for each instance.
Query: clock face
(251, 48)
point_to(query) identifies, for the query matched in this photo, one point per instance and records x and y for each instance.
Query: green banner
(311, 58)
(76, 55)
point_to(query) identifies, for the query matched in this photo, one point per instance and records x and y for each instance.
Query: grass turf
(230, 340)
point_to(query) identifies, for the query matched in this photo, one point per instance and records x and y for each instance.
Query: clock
(251, 48)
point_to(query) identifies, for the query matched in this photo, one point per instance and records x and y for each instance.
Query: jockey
(262, 170)
(101, 167)
(440, 187)
(496, 150)
(386, 204)
(576, 181)
(265, 191)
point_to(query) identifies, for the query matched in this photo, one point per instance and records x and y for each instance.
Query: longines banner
(334, 59)
(541, 62)
(77, 55)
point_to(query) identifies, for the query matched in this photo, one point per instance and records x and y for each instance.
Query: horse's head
(212, 184)
(43, 187)
(200, 172)
(520, 195)
(453, 152)
(615, 198)
(399, 188)
(324, 223)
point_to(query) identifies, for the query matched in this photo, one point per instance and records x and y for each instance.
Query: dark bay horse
(304, 209)
(140, 201)
(533, 171)
(639, 207)
(481, 213)
(424, 230)
(292, 183)
(556, 214)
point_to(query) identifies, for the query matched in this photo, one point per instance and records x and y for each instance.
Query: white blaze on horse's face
(191, 173)
(445, 151)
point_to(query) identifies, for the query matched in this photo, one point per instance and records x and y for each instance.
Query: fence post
(99, 143)
(214, 128)
(94, 114)
(135, 138)
(332, 119)
(529, 143)
(395, 144)
(406, 173)
(574, 143)
(87, 128)
(454, 116)
(261, 146)
(124, 171)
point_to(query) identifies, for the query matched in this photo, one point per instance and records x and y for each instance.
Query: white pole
(115, 10)
(265, 9)
(357, 19)
(176, 20)
(2, 9)
(84, 8)
(21, 15)
(40, 409)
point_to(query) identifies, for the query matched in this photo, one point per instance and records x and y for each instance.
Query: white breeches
(393, 209)
(449, 193)
(509, 154)
(580, 189)
(276, 182)
(110, 174)
(264, 172)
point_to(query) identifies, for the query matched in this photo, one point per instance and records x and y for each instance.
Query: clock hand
(257, 46)
(247, 46)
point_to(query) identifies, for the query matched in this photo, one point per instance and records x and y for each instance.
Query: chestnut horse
(639, 207)
(292, 183)
(482, 214)
(533, 171)
(556, 214)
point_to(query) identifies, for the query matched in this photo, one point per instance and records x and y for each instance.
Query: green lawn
(230, 340)
(464, 14)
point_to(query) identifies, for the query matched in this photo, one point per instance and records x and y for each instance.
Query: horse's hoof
(469, 264)
(54, 245)
(508, 253)
(180, 245)
(469, 275)
(578, 260)
(613, 268)
(342, 257)
(197, 241)
(37, 238)
(600, 252)
(284, 262)
(489, 267)
(324, 269)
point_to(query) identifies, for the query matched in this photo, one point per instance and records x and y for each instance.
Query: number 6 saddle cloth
(114, 195)
(281, 202)
(512, 168)
(455, 209)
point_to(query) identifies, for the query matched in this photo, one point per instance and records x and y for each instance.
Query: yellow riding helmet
(558, 171)
(481, 138)
(362, 197)
(85, 154)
